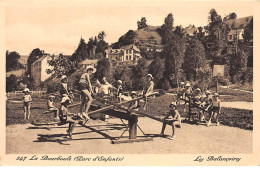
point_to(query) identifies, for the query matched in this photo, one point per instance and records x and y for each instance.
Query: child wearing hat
(187, 94)
(119, 91)
(64, 86)
(27, 99)
(51, 107)
(207, 103)
(86, 91)
(215, 110)
(181, 90)
(65, 116)
(148, 88)
(197, 100)
(134, 105)
(174, 117)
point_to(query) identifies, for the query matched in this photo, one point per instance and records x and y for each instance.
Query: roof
(89, 61)
(114, 51)
(239, 22)
(235, 32)
(131, 46)
(42, 58)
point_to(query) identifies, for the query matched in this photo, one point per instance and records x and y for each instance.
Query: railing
(21, 92)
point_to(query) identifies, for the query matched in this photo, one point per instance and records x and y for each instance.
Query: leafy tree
(230, 16)
(81, 52)
(167, 28)
(103, 69)
(34, 55)
(62, 66)
(248, 33)
(11, 83)
(128, 38)
(194, 58)
(139, 74)
(156, 68)
(174, 56)
(124, 73)
(101, 36)
(214, 45)
(179, 31)
(142, 23)
(12, 62)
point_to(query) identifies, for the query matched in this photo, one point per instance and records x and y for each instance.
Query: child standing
(65, 115)
(148, 88)
(64, 86)
(216, 108)
(119, 91)
(86, 91)
(27, 99)
(187, 94)
(174, 117)
(51, 107)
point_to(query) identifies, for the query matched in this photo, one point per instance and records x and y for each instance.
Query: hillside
(239, 22)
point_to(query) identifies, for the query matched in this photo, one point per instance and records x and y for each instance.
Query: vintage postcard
(129, 82)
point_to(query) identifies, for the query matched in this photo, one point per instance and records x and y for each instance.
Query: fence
(21, 92)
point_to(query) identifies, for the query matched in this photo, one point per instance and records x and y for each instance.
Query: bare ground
(96, 137)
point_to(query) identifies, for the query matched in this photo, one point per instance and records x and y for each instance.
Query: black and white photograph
(129, 77)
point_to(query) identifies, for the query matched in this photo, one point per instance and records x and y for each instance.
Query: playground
(96, 135)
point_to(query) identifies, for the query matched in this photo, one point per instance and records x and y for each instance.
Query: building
(235, 35)
(126, 54)
(88, 62)
(39, 69)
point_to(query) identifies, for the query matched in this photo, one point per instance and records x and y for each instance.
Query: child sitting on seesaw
(134, 105)
(51, 107)
(174, 118)
(65, 116)
(27, 99)
(215, 110)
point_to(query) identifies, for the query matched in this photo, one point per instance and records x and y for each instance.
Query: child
(148, 88)
(27, 99)
(215, 110)
(64, 86)
(187, 94)
(174, 117)
(197, 100)
(208, 102)
(64, 115)
(134, 105)
(50, 104)
(119, 91)
(106, 87)
(181, 90)
(86, 91)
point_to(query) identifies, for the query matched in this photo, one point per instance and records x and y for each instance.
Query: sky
(57, 28)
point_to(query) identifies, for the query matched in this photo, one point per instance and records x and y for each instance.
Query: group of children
(211, 104)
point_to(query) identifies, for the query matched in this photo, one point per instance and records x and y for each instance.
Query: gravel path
(191, 139)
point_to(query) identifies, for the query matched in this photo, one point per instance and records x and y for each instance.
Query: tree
(127, 39)
(141, 24)
(167, 28)
(194, 58)
(173, 53)
(12, 62)
(156, 68)
(34, 55)
(139, 74)
(11, 83)
(62, 66)
(215, 40)
(230, 16)
(101, 36)
(103, 69)
(248, 33)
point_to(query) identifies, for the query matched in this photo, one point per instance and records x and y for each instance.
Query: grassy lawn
(229, 95)
(156, 107)
(247, 86)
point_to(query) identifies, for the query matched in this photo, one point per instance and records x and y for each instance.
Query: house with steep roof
(235, 35)
(126, 54)
(39, 68)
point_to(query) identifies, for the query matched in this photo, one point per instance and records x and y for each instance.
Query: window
(126, 57)
(129, 57)
(230, 37)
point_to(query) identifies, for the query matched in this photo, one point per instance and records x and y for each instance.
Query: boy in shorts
(65, 116)
(27, 99)
(174, 117)
(215, 110)
(51, 107)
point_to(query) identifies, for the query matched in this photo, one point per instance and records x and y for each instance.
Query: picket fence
(31, 92)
